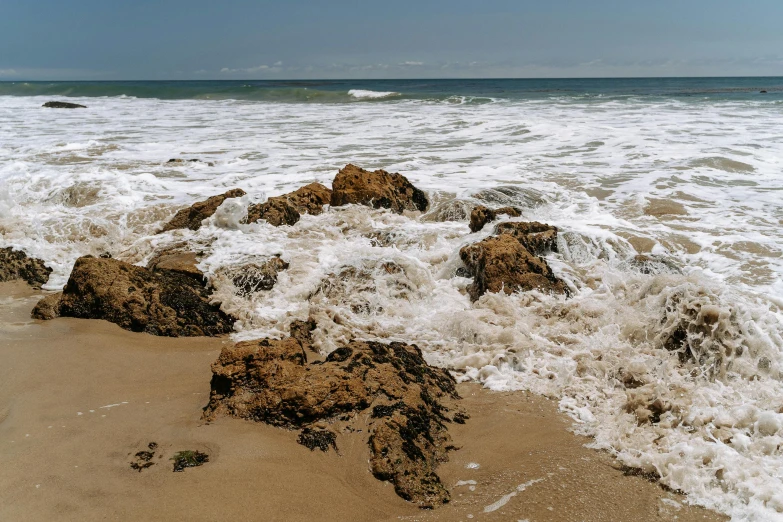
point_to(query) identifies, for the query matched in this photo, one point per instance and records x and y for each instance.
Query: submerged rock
(504, 263)
(288, 208)
(192, 216)
(15, 264)
(409, 402)
(378, 189)
(653, 265)
(180, 161)
(253, 278)
(156, 302)
(482, 215)
(63, 105)
(538, 238)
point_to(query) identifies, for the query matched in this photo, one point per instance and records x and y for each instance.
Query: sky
(329, 39)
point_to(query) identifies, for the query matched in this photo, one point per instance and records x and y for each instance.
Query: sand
(79, 398)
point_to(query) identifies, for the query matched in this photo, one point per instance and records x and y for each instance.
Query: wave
(362, 94)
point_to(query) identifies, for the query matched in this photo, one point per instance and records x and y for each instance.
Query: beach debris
(192, 216)
(161, 302)
(503, 263)
(189, 459)
(62, 105)
(143, 459)
(482, 215)
(314, 438)
(288, 208)
(15, 264)
(410, 403)
(377, 189)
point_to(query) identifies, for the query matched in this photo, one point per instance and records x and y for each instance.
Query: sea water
(686, 171)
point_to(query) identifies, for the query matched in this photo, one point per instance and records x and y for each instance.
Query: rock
(159, 302)
(287, 209)
(378, 189)
(538, 238)
(653, 265)
(192, 216)
(482, 215)
(48, 307)
(181, 161)
(502, 263)
(63, 105)
(276, 211)
(409, 402)
(15, 264)
(174, 260)
(253, 278)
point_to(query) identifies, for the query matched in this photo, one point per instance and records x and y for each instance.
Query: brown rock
(538, 238)
(287, 209)
(652, 265)
(175, 260)
(192, 216)
(409, 402)
(253, 278)
(156, 302)
(482, 215)
(378, 189)
(63, 105)
(48, 307)
(310, 199)
(15, 264)
(502, 263)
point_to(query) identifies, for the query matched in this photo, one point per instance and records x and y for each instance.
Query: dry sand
(79, 398)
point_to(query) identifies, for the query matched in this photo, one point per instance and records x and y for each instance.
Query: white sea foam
(361, 93)
(696, 183)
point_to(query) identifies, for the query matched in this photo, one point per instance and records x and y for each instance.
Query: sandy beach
(79, 398)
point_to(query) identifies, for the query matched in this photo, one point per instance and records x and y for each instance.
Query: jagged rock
(253, 278)
(63, 105)
(538, 238)
(502, 263)
(378, 189)
(288, 208)
(410, 402)
(175, 260)
(180, 161)
(15, 264)
(482, 215)
(48, 307)
(276, 211)
(156, 302)
(192, 216)
(652, 265)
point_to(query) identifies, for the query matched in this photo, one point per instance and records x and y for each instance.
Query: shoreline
(78, 398)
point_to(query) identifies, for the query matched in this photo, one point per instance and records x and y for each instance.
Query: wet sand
(79, 398)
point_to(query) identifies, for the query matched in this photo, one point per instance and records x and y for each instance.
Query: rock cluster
(482, 215)
(378, 189)
(508, 262)
(288, 208)
(409, 402)
(159, 302)
(63, 105)
(15, 264)
(192, 216)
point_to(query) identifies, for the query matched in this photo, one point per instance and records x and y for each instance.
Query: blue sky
(232, 39)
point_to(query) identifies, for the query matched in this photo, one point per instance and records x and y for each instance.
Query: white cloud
(257, 68)
(410, 64)
(8, 72)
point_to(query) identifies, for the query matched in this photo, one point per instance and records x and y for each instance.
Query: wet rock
(192, 216)
(15, 264)
(302, 331)
(653, 265)
(411, 402)
(288, 208)
(141, 300)
(276, 211)
(449, 210)
(189, 459)
(48, 307)
(482, 215)
(511, 195)
(63, 105)
(253, 278)
(538, 238)
(378, 189)
(176, 260)
(502, 263)
(143, 459)
(318, 439)
(180, 161)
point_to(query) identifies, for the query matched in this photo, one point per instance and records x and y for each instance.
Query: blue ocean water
(372, 90)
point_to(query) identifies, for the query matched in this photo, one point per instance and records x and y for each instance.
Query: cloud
(8, 72)
(410, 64)
(257, 68)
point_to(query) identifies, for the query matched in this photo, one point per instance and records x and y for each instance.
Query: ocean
(688, 171)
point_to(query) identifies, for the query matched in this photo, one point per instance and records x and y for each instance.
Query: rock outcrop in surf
(377, 189)
(407, 403)
(192, 216)
(63, 105)
(15, 264)
(158, 302)
(508, 262)
(288, 208)
(482, 215)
